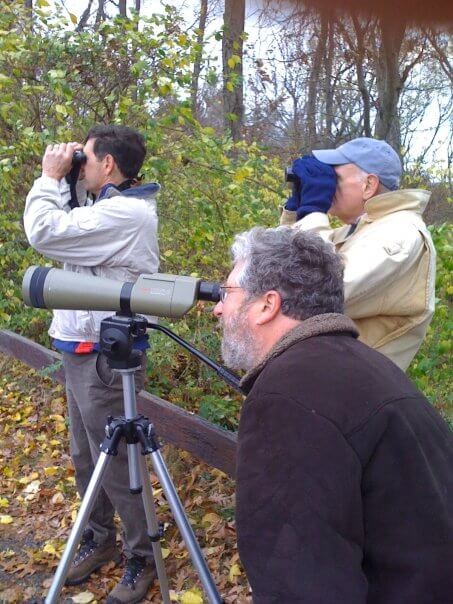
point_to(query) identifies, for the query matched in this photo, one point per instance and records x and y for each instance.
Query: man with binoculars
(114, 236)
(386, 248)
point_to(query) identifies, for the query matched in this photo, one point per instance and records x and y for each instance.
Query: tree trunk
(361, 81)
(313, 84)
(389, 84)
(328, 85)
(100, 14)
(198, 57)
(122, 8)
(29, 8)
(84, 18)
(232, 50)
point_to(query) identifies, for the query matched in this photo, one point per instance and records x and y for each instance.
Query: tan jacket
(390, 266)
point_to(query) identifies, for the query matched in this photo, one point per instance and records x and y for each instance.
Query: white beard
(239, 348)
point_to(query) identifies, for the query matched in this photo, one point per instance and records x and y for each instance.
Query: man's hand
(318, 182)
(57, 159)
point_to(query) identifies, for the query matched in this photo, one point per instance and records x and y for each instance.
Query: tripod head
(117, 338)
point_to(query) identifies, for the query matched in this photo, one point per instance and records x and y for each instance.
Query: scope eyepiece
(209, 291)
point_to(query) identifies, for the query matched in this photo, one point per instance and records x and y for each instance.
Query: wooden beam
(204, 440)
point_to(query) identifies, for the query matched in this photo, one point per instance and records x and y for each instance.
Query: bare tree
(198, 57)
(100, 14)
(83, 21)
(122, 8)
(232, 55)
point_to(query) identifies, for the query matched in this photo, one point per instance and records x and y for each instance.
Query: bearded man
(344, 483)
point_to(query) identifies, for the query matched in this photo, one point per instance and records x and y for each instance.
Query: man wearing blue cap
(387, 250)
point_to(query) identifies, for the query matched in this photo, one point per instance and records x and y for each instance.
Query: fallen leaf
(235, 571)
(6, 519)
(192, 596)
(210, 518)
(84, 597)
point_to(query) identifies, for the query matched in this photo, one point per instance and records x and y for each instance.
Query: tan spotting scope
(156, 294)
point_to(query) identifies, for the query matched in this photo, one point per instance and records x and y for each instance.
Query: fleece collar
(329, 323)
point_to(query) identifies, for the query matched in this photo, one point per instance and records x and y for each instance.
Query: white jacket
(390, 266)
(114, 238)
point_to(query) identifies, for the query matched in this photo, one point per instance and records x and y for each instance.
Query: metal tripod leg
(77, 530)
(153, 529)
(171, 495)
(184, 527)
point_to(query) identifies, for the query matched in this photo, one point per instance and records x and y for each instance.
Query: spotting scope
(157, 294)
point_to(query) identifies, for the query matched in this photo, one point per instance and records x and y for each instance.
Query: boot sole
(116, 559)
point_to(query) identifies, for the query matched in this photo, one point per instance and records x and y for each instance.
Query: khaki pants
(94, 392)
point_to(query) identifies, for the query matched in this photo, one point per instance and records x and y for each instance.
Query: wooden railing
(174, 425)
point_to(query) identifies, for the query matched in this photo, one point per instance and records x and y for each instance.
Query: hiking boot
(90, 557)
(137, 578)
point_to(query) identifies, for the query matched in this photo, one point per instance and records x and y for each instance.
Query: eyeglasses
(224, 291)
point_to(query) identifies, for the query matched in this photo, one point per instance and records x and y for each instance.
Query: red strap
(84, 347)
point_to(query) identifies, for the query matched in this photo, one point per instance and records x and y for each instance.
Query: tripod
(116, 341)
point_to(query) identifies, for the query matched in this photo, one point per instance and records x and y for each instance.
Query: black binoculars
(290, 176)
(79, 158)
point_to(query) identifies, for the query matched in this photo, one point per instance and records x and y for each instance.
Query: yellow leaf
(16, 417)
(29, 478)
(3, 502)
(51, 470)
(73, 18)
(49, 549)
(7, 472)
(5, 519)
(165, 552)
(210, 518)
(83, 597)
(235, 571)
(192, 596)
(173, 596)
(230, 86)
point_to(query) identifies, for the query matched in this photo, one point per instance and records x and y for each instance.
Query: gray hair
(304, 269)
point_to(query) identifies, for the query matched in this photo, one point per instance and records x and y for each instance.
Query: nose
(218, 309)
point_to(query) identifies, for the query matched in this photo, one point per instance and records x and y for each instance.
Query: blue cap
(369, 154)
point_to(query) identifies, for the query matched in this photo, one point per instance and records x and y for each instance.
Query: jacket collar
(414, 200)
(141, 191)
(329, 323)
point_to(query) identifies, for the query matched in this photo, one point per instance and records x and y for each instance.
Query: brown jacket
(344, 476)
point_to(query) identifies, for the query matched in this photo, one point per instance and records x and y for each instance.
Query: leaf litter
(38, 505)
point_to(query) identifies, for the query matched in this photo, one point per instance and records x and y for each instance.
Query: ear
(370, 186)
(109, 164)
(268, 307)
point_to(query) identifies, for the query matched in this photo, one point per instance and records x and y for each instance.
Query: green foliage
(431, 369)
(55, 84)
